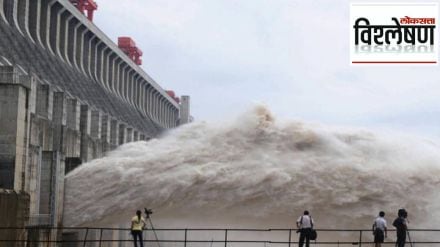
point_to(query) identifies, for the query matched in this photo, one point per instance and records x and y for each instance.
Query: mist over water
(259, 172)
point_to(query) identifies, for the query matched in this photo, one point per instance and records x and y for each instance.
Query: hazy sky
(291, 55)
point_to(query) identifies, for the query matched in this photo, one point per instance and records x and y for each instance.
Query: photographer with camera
(137, 225)
(401, 225)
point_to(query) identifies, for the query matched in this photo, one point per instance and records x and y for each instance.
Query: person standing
(305, 225)
(380, 229)
(137, 225)
(401, 225)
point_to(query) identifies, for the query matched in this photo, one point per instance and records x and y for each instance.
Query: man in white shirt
(305, 225)
(380, 229)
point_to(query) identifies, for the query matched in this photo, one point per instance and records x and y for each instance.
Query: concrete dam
(68, 94)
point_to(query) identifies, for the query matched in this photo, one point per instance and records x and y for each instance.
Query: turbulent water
(258, 172)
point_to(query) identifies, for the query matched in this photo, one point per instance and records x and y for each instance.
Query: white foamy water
(258, 172)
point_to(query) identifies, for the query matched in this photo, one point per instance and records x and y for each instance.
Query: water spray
(202, 164)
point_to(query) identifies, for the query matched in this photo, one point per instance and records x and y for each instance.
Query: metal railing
(195, 237)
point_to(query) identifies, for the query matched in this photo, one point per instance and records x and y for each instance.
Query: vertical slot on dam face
(22, 7)
(8, 10)
(33, 19)
(43, 21)
(54, 29)
(2, 11)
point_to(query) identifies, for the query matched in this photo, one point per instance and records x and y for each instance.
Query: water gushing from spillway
(258, 172)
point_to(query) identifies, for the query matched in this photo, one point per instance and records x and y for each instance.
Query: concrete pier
(105, 133)
(13, 113)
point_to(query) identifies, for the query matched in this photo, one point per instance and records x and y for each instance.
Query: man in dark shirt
(400, 223)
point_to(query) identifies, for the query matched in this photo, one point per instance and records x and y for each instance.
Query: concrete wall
(12, 130)
(14, 212)
(44, 134)
(185, 116)
(54, 41)
(67, 95)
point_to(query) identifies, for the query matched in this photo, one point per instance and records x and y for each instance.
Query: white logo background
(381, 14)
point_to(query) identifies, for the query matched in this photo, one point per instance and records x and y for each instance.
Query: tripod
(147, 213)
(409, 238)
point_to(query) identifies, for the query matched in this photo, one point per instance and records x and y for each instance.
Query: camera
(148, 212)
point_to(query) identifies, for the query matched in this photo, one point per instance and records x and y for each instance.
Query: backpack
(313, 235)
